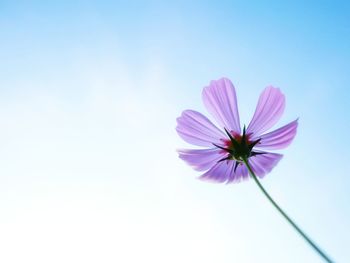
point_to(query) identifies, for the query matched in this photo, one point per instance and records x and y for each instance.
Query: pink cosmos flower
(232, 153)
(227, 146)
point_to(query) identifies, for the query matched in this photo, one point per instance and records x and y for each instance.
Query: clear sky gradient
(89, 95)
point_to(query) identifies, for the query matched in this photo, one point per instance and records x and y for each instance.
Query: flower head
(226, 147)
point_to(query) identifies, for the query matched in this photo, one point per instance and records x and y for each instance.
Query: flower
(227, 147)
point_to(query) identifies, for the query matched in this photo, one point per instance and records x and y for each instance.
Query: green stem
(307, 239)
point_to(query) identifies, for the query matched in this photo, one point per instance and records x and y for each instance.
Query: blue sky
(89, 94)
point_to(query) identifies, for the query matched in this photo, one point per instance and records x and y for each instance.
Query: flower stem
(307, 239)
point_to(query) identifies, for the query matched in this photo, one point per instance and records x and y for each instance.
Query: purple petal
(219, 173)
(263, 163)
(279, 138)
(225, 172)
(268, 111)
(193, 127)
(220, 100)
(241, 173)
(201, 159)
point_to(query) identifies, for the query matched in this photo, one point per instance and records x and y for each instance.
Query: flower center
(238, 147)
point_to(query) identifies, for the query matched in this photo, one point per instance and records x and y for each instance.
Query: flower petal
(193, 127)
(279, 138)
(268, 111)
(263, 163)
(201, 159)
(219, 173)
(241, 173)
(225, 172)
(220, 100)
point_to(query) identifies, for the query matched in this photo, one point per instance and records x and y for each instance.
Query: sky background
(89, 95)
